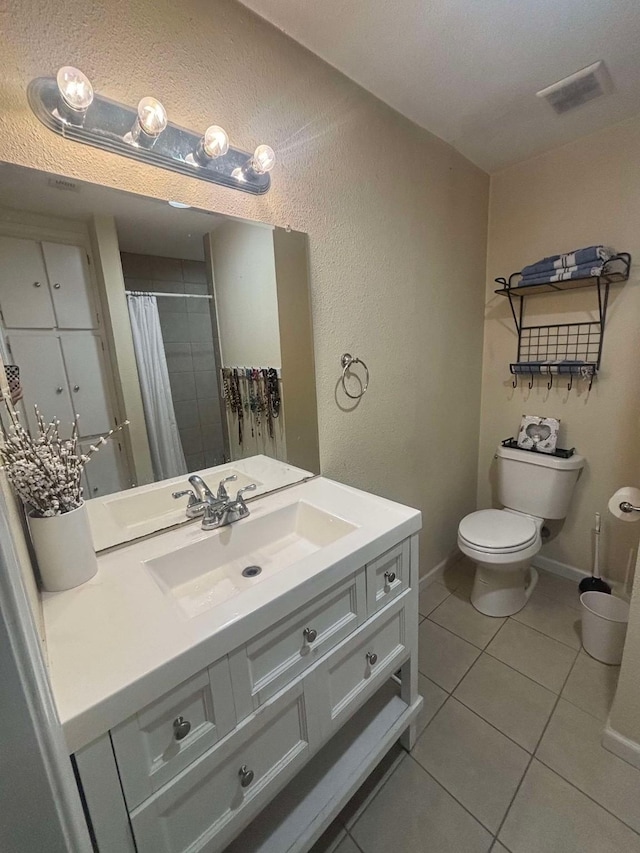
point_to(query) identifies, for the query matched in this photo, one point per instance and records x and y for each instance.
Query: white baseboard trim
(563, 570)
(621, 746)
(436, 572)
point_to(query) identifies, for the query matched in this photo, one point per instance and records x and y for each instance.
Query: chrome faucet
(222, 513)
(201, 497)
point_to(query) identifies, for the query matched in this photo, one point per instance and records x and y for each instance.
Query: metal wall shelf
(574, 349)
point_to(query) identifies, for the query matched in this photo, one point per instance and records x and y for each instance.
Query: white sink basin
(129, 510)
(207, 572)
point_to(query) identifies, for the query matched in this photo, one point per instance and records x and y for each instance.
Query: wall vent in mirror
(68, 105)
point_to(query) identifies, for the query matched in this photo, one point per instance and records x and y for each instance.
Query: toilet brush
(595, 582)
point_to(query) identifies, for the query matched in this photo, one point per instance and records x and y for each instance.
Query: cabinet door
(43, 378)
(388, 576)
(83, 358)
(103, 474)
(70, 286)
(24, 288)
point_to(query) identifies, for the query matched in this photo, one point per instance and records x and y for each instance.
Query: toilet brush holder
(595, 582)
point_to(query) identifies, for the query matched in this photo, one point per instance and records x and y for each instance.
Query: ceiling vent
(578, 88)
(64, 184)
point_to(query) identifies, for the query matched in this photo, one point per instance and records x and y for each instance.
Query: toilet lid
(496, 530)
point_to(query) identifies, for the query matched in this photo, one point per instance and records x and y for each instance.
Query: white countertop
(118, 641)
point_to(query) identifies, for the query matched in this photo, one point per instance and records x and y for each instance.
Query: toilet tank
(537, 483)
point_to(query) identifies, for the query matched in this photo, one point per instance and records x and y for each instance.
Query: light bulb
(152, 116)
(215, 142)
(263, 159)
(76, 93)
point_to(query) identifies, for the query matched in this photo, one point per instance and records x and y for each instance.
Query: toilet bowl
(501, 543)
(531, 486)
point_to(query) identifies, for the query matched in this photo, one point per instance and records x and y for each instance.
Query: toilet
(532, 487)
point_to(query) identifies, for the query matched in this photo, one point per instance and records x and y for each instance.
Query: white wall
(585, 193)
(396, 219)
(246, 295)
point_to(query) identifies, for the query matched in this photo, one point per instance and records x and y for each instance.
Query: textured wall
(396, 219)
(585, 193)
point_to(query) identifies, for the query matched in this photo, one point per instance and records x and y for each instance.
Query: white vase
(64, 549)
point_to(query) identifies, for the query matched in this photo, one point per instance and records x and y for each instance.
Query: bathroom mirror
(193, 326)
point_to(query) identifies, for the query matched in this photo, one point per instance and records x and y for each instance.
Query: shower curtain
(167, 455)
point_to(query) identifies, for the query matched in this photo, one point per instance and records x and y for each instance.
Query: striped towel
(548, 276)
(590, 255)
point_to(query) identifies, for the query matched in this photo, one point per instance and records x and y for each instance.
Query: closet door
(83, 358)
(102, 474)
(70, 286)
(24, 288)
(43, 378)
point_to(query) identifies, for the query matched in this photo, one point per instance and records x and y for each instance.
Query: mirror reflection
(193, 326)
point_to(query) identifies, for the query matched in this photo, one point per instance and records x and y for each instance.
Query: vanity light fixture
(214, 144)
(150, 121)
(76, 94)
(68, 106)
(262, 162)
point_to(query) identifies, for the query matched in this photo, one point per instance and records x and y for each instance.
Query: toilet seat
(497, 531)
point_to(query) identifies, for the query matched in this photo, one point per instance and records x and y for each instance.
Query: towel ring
(347, 361)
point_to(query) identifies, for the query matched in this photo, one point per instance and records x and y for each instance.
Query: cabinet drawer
(275, 657)
(356, 669)
(154, 745)
(388, 576)
(204, 807)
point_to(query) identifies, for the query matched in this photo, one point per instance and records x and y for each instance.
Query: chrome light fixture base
(107, 125)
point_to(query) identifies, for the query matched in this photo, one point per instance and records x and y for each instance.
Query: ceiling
(468, 70)
(145, 225)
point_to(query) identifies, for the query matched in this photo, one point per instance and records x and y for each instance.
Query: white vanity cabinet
(270, 719)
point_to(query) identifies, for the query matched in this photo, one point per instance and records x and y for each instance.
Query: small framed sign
(538, 433)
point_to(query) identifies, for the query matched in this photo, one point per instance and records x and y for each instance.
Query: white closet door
(24, 288)
(102, 474)
(43, 378)
(83, 358)
(70, 286)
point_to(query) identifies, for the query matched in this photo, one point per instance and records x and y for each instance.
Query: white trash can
(604, 626)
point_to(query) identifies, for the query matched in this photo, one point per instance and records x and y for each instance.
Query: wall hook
(550, 382)
(570, 385)
(531, 382)
(514, 384)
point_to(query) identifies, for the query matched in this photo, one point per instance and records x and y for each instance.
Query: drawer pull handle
(372, 658)
(390, 577)
(37, 284)
(181, 728)
(57, 285)
(310, 634)
(59, 389)
(76, 387)
(246, 776)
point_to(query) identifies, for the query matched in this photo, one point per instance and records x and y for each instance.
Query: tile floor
(509, 758)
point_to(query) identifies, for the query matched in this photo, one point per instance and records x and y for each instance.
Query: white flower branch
(45, 470)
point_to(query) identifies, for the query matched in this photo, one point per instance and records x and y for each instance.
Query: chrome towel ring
(347, 361)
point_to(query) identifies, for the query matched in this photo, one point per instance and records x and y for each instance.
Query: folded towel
(578, 257)
(548, 276)
(547, 367)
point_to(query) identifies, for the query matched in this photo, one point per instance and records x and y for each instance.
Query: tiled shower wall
(188, 343)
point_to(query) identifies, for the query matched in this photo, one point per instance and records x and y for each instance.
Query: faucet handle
(250, 488)
(223, 495)
(192, 497)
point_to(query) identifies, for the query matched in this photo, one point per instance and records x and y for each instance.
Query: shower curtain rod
(171, 295)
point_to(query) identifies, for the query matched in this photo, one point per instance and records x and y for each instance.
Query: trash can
(604, 626)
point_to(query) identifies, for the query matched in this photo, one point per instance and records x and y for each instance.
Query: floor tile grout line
(372, 796)
(585, 794)
(459, 636)
(489, 723)
(533, 755)
(453, 797)
(538, 631)
(520, 672)
(354, 841)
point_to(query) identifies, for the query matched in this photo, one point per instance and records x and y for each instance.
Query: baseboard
(621, 746)
(436, 572)
(563, 570)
